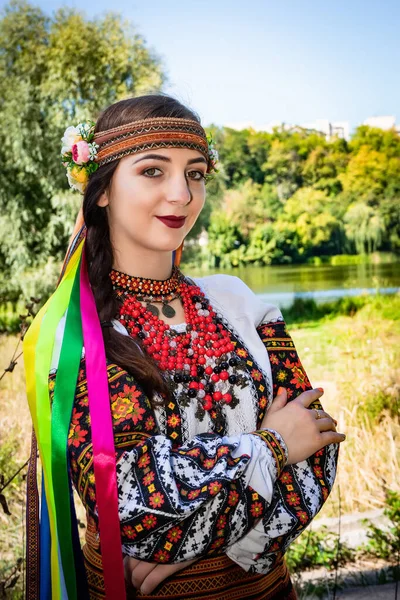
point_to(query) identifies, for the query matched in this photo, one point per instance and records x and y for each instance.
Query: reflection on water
(281, 284)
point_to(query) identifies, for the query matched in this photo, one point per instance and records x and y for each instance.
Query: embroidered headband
(84, 151)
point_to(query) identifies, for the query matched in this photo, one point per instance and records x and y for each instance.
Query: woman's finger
(306, 398)
(141, 571)
(160, 573)
(279, 401)
(326, 424)
(320, 414)
(331, 437)
(129, 564)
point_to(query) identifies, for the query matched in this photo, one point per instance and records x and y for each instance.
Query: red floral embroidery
(242, 353)
(156, 500)
(76, 435)
(221, 522)
(286, 477)
(233, 498)
(263, 402)
(300, 379)
(129, 532)
(125, 405)
(144, 460)
(303, 516)
(193, 494)
(256, 375)
(174, 420)
(217, 543)
(268, 331)
(193, 452)
(293, 499)
(149, 424)
(214, 487)
(148, 478)
(149, 521)
(318, 471)
(274, 359)
(222, 450)
(161, 556)
(174, 534)
(257, 509)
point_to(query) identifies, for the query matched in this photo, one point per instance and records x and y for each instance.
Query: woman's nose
(179, 190)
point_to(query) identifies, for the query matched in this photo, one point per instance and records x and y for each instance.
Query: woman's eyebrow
(167, 159)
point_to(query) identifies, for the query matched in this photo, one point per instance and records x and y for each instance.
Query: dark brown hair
(121, 349)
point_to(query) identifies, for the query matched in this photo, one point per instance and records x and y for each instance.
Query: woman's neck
(149, 265)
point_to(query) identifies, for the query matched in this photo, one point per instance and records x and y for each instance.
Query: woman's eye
(197, 173)
(150, 169)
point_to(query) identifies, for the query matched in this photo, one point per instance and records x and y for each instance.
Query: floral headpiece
(83, 150)
(78, 153)
(213, 153)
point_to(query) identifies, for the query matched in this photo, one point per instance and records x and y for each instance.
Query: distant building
(329, 129)
(384, 122)
(324, 127)
(340, 129)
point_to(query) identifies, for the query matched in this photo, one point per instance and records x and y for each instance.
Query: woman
(153, 392)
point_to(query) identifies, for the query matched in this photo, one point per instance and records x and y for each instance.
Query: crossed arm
(214, 495)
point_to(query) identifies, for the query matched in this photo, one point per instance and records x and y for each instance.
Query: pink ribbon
(103, 441)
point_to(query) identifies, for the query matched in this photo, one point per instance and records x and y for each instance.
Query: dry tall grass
(357, 361)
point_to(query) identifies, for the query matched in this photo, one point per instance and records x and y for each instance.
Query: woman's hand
(146, 576)
(302, 431)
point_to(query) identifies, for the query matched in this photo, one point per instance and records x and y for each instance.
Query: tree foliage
(281, 197)
(54, 72)
(317, 197)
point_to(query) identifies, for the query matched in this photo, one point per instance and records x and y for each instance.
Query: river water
(280, 285)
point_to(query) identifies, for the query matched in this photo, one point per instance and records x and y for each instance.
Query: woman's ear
(103, 200)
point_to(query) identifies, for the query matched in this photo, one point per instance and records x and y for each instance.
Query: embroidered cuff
(277, 445)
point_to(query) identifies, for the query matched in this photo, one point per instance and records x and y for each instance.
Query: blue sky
(260, 61)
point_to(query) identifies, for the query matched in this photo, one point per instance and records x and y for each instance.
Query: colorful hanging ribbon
(38, 348)
(82, 327)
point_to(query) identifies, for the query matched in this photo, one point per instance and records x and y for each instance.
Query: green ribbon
(63, 400)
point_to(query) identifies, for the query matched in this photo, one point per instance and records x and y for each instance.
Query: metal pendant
(168, 311)
(153, 309)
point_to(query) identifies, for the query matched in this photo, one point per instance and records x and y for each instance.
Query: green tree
(311, 215)
(55, 72)
(364, 227)
(323, 165)
(223, 237)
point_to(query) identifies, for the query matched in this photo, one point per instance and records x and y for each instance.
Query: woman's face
(151, 184)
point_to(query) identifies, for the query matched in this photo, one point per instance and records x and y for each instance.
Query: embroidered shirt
(186, 492)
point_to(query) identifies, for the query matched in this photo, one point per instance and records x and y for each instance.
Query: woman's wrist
(276, 444)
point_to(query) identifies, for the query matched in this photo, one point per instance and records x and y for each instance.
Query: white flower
(214, 154)
(71, 136)
(93, 150)
(84, 129)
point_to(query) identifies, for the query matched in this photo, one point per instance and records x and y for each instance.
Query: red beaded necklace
(200, 358)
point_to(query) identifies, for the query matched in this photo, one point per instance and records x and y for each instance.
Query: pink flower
(80, 152)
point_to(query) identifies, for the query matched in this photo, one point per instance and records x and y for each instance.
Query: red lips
(173, 221)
